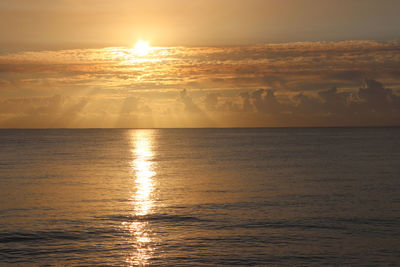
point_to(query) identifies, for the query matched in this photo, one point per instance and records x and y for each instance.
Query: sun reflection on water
(142, 199)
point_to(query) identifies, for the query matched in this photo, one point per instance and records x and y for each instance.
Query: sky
(88, 23)
(220, 63)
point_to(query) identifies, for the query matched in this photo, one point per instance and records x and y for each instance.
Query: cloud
(278, 84)
(371, 105)
(265, 101)
(131, 110)
(32, 106)
(189, 105)
(53, 111)
(133, 104)
(211, 101)
(285, 67)
(376, 98)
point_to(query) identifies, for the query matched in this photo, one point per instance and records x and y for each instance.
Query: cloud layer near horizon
(295, 84)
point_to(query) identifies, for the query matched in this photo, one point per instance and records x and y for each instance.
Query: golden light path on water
(142, 199)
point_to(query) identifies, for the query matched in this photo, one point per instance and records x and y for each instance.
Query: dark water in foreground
(212, 197)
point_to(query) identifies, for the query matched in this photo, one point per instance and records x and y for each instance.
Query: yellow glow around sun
(142, 48)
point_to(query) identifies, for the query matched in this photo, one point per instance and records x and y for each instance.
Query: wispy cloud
(278, 84)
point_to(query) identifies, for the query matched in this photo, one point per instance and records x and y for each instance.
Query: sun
(142, 48)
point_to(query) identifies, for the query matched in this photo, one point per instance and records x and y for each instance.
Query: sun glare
(142, 48)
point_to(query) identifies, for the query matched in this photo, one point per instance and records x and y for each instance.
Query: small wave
(335, 224)
(121, 200)
(13, 211)
(56, 235)
(282, 225)
(153, 217)
(7, 237)
(389, 222)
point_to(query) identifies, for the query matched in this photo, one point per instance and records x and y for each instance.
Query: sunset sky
(211, 63)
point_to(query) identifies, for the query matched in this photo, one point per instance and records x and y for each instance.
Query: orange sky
(221, 63)
(87, 23)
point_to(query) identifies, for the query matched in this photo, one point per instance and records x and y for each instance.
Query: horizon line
(193, 128)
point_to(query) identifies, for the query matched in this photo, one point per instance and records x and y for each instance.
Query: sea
(200, 197)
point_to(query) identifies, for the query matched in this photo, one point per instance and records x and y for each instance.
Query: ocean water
(203, 197)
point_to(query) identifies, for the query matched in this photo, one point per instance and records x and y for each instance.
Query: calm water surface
(264, 197)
